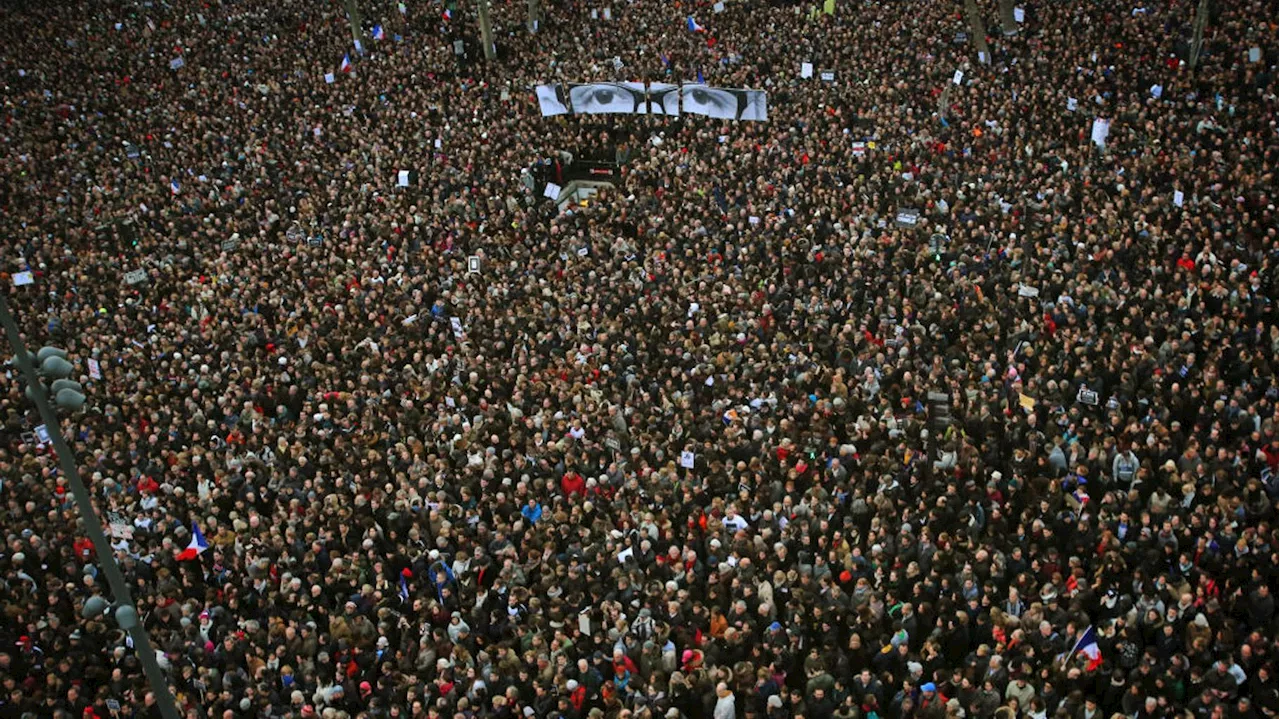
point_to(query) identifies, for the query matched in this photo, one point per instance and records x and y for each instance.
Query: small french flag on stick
(1087, 645)
(174, 187)
(378, 34)
(693, 25)
(345, 65)
(196, 547)
(447, 15)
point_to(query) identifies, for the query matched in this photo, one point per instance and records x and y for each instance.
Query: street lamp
(68, 394)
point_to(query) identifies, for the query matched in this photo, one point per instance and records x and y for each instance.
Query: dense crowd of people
(882, 408)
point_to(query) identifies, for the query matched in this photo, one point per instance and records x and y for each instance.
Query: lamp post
(486, 31)
(54, 363)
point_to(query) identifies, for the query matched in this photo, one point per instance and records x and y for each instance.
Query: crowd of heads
(730, 440)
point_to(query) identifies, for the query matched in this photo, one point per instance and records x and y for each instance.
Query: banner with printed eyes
(724, 104)
(658, 98)
(609, 98)
(551, 100)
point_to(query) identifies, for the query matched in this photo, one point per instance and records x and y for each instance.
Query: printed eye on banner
(608, 98)
(724, 104)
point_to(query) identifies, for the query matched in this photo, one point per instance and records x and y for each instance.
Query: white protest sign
(718, 7)
(329, 78)
(473, 265)
(1178, 198)
(42, 434)
(806, 70)
(982, 57)
(457, 326)
(686, 459)
(626, 554)
(1019, 15)
(402, 178)
(176, 63)
(828, 76)
(135, 276)
(1157, 91)
(608, 13)
(95, 369)
(1101, 129)
(1255, 54)
(23, 278)
(753, 220)
(1072, 104)
(957, 78)
(552, 192)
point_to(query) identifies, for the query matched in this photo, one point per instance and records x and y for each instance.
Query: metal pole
(978, 31)
(534, 15)
(1197, 40)
(1007, 20)
(486, 31)
(353, 16)
(92, 525)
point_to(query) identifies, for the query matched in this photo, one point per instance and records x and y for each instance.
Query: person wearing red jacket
(572, 483)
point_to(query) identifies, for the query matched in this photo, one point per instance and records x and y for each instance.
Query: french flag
(693, 25)
(196, 547)
(174, 187)
(447, 15)
(345, 66)
(404, 588)
(1087, 645)
(378, 34)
